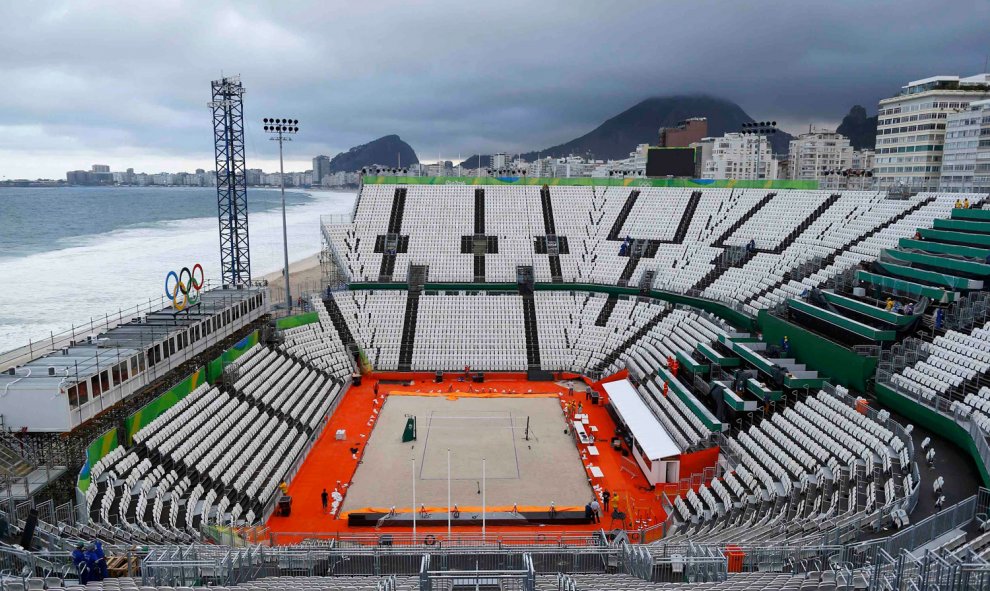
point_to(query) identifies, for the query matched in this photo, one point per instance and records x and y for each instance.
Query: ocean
(68, 254)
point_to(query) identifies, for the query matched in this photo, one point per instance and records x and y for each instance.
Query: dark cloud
(127, 82)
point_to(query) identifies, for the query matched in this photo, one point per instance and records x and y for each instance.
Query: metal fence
(883, 565)
(924, 531)
(203, 564)
(437, 577)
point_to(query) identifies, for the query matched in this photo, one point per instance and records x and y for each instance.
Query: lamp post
(760, 129)
(280, 128)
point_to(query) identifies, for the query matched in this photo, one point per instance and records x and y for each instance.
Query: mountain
(640, 124)
(860, 129)
(388, 150)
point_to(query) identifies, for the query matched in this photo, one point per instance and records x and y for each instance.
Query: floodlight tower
(760, 129)
(281, 128)
(228, 138)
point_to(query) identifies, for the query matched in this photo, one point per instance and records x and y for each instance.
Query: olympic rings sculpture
(185, 285)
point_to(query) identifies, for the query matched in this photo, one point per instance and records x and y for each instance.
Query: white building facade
(966, 153)
(911, 129)
(819, 154)
(738, 156)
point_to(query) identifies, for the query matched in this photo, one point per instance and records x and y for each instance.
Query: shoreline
(304, 277)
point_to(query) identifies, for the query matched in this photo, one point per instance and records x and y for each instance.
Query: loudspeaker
(439, 377)
(28, 533)
(479, 377)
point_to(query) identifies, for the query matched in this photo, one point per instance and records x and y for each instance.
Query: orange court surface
(338, 465)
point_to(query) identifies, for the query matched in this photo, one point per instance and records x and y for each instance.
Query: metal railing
(434, 575)
(952, 409)
(875, 566)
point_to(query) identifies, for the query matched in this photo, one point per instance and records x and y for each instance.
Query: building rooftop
(975, 82)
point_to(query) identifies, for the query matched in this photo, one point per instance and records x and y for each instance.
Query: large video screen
(662, 162)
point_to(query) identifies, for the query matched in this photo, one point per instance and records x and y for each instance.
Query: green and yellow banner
(592, 182)
(297, 320)
(100, 447)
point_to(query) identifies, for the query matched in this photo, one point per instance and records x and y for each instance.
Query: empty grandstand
(756, 387)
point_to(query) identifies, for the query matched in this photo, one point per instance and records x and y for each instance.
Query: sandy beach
(304, 278)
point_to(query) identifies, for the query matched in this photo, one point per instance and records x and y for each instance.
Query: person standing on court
(605, 497)
(596, 510)
(323, 497)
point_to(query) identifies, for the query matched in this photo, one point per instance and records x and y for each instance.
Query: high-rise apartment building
(819, 154)
(737, 156)
(911, 129)
(321, 168)
(966, 153)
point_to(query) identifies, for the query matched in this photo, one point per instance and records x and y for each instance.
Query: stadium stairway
(409, 330)
(393, 242)
(555, 245)
(606, 312)
(687, 218)
(531, 331)
(337, 317)
(479, 211)
(13, 464)
(720, 241)
(616, 232)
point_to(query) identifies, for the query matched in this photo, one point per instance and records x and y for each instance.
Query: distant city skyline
(124, 85)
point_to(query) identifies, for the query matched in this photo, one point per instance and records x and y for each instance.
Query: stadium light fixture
(280, 129)
(760, 129)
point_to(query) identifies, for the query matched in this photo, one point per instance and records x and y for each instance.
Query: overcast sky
(126, 83)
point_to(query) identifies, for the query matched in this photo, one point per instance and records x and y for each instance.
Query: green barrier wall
(158, 406)
(933, 421)
(215, 367)
(592, 182)
(297, 320)
(100, 447)
(738, 319)
(841, 365)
